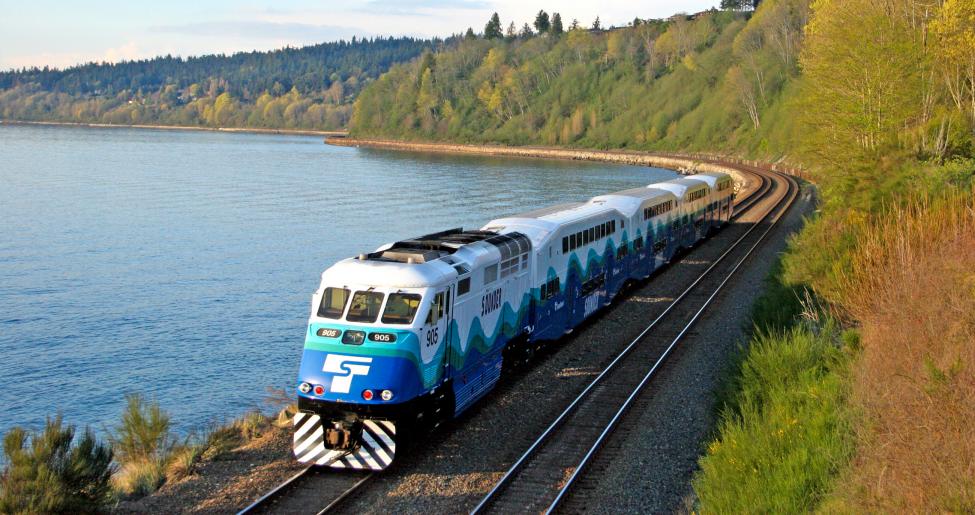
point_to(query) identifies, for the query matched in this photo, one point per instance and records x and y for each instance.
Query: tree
(470, 33)
(575, 24)
(493, 28)
(526, 32)
(556, 24)
(512, 32)
(542, 23)
(955, 29)
(596, 25)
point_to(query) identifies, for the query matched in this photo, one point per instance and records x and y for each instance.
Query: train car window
(463, 286)
(447, 304)
(585, 237)
(333, 302)
(579, 240)
(524, 260)
(565, 244)
(572, 242)
(592, 234)
(365, 306)
(401, 308)
(542, 291)
(612, 225)
(490, 274)
(440, 304)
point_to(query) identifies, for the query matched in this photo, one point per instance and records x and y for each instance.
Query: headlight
(387, 395)
(304, 388)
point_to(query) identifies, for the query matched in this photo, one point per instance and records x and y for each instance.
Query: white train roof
(630, 201)
(427, 260)
(679, 187)
(353, 271)
(539, 224)
(711, 178)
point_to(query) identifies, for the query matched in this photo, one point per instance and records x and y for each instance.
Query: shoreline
(245, 130)
(682, 163)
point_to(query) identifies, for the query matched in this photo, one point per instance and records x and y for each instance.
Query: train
(420, 329)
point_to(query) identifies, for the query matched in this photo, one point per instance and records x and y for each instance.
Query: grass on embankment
(877, 419)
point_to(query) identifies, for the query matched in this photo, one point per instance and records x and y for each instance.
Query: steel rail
(563, 491)
(279, 491)
(550, 430)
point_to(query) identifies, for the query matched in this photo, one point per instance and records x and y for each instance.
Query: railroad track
(312, 490)
(541, 479)
(319, 490)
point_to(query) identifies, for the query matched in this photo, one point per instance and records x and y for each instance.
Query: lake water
(181, 264)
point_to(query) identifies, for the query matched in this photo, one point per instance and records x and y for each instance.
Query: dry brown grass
(913, 290)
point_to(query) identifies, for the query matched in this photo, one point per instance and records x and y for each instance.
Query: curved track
(543, 476)
(320, 490)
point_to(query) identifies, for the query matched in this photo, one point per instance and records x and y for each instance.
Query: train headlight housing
(387, 395)
(367, 395)
(304, 388)
(319, 389)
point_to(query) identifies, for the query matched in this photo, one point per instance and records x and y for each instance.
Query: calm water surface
(181, 264)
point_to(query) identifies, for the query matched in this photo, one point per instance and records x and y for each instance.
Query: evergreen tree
(493, 28)
(575, 24)
(596, 25)
(542, 23)
(526, 32)
(470, 34)
(556, 24)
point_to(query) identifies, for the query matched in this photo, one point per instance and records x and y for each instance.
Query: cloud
(127, 52)
(263, 30)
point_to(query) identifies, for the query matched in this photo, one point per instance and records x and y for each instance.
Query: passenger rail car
(420, 329)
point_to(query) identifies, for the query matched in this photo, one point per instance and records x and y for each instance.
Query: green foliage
(144, 432)
(315, 84)
(48, 472)
(787, 432)
(542, 23)
(492, 30)
(655, 85)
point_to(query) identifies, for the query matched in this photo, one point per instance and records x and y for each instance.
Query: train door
(434, 335)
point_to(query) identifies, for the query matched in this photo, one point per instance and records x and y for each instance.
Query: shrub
(144, 446)
(144, 433)
(48, 472)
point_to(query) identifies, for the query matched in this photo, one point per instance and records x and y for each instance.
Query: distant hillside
(711, 80)
(310, 87)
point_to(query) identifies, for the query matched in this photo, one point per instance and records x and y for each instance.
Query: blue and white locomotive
(421, 328)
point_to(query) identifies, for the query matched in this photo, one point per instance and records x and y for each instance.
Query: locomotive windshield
(365, 306)
(333, 303)
(401, 308)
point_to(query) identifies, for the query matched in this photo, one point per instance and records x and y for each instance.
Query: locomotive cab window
(463, 286)
(365, 306)
(333, 302)
(436, 309)
(401, 308)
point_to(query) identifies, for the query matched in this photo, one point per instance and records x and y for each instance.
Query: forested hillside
(310, 87)
(713, 80)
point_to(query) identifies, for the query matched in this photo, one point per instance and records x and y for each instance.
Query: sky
(61, 34)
